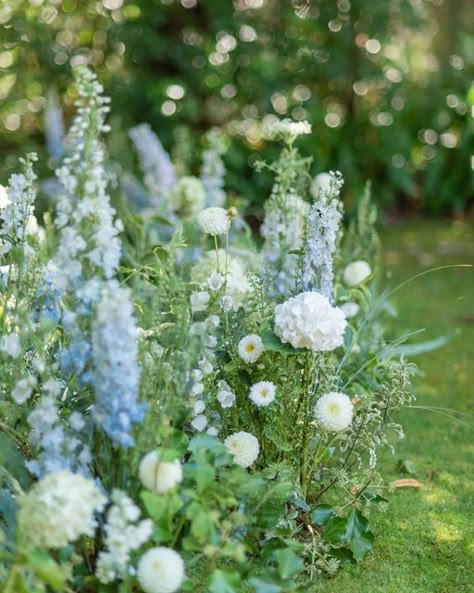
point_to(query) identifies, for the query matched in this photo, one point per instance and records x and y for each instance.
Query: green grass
(425, 541)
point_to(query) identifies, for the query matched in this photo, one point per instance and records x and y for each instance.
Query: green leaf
(154, 504)
(335, 529)
(358, 534)
(321, 514)
(264, 586)
(205, 477)
(46, 569)
(201, 526)
(273, 344)
(289, 563)
(12, 461)
(224, 581)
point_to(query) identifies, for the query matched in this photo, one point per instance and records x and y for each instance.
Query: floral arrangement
(186, 406)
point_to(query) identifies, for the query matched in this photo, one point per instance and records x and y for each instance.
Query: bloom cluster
(213, 170)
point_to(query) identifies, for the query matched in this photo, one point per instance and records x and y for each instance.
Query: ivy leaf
(335, 529)
(224, 581)
(273, 344)
(321, 514)
(262, 585)
(358, 534)
(289, 563)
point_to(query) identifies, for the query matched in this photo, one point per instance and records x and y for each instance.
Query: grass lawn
(425, 542)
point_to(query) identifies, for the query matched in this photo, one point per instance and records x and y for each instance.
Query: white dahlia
(213, 221)
(308, 320)
(159, 476)
(263, 393)
(333, 412)
(244, 447)
(250, 348)
(160, 570)
(356, 272)
(59, 509)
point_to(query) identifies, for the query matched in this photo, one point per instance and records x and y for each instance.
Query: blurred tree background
(386, 85)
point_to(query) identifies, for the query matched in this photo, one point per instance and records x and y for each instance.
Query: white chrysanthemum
(187, 197)
(236, 281)
(356, 272)
(59, 509)
(350, 309)
(159, 476)
(213, 221)
(250, 348)
(263, 393)
(321, 184)
(308, 320)
(160, 570)
(244, 447)
(333, 412)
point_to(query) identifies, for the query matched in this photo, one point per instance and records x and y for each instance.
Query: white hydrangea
(237, 285)
(187, 197)
(262, 393)
(350, 309)
(59, 509)
(11, 345)
(334, 411)
(122, 536)
(160, 570)
(308, 320)
(244, 447)
(214, 221)
(356, 272)
(199, 301)
(250, 348)
(159, 476)
(321, 184)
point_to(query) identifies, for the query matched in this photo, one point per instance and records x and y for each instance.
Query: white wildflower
(160, 570)
(308, 320)
(199, 423)
(250, 348)
(11, 345)
(263, 393)
(333, 412)
(187, 197)
(215, 281)
(287, 128)
(4, 199)
(214, 221)
(159, 476)
(199, 407)
(350, 309)
(356, 272)
(199, 301)
(23, 389)
(244, 447)
(227, 303)
(59, 509)
(225, 395)
(321, 185)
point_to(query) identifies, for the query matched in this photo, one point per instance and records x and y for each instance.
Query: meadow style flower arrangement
(187, 405)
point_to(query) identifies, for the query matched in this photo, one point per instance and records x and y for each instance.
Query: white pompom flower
(262, 393)
(250, 348)
(308, 320)
(334, 411)
(213, 221)
(159, 476)
(160, 570)
(244, 447)
(356, 272)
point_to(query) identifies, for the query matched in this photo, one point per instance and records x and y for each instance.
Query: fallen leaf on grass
(408, 483)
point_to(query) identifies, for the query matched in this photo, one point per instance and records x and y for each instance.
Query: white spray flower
(160, 570)
(333, 412)
(356, 272)
(244, 447)
(213, 221)
(308, 320)
(199, 301)
(159, 476)
(263, 393)
(250, 348)
(321, 184)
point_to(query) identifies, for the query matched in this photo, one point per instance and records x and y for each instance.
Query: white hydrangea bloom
(160, 570)
(308, 320)
(199, 301)
(356, 272)
(262, 393)
(159, 476)
(214, 221)
(59, 509)
(334, 411)
(11, 345)
(187, 197)
(250, 348)
(244, 447)
(122, 536)
(321, 184)
(350, 309)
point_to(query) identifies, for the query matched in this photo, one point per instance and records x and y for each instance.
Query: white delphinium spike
(213, 170)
